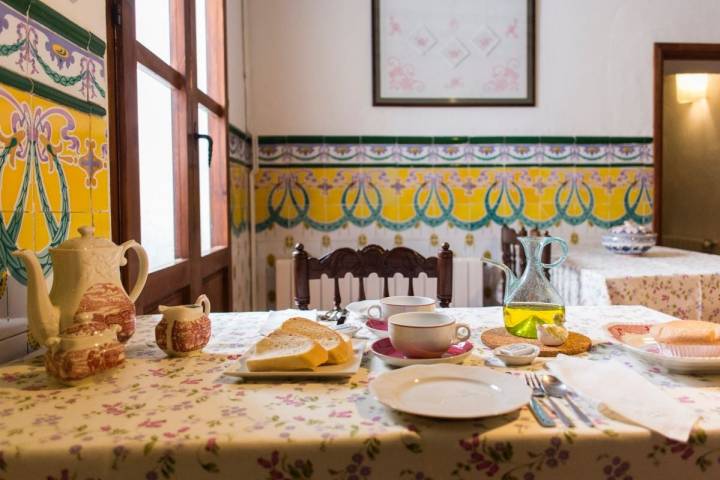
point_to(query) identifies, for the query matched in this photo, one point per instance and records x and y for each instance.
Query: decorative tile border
(469, 198)
(55, 21)
(49, 63)
(355, 152)
(240, 146)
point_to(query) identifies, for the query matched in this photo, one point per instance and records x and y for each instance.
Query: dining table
(157, 417)
(681, 283)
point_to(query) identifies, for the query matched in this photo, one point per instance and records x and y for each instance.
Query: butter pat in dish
(517, 354)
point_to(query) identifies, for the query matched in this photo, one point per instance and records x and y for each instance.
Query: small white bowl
(517, 354)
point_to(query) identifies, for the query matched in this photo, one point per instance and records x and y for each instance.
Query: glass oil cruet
(531, 299)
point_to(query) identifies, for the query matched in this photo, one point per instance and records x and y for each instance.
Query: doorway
(687, 146)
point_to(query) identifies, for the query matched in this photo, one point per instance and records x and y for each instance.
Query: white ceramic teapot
(86, 280)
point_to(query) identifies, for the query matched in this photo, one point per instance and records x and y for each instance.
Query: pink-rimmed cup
(425, 334)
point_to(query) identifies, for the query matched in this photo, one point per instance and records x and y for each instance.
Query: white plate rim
(384, 383)
(347, 369)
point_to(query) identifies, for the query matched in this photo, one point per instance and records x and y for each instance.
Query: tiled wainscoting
(332, 192)
(240, 167)
(54, 174)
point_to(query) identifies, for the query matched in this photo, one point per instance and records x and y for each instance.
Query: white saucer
(450, 391)
(359, 308)
(384, 350)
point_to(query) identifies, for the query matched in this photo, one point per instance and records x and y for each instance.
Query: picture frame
(478, 53)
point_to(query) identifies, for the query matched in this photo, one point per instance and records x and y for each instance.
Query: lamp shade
(691, 86)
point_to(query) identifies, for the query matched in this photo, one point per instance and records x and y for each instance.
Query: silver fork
(536, 407)
(553, 404)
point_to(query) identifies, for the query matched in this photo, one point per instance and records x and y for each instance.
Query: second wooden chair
(371, 259)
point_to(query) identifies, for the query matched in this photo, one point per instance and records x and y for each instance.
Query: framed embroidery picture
(459, 53)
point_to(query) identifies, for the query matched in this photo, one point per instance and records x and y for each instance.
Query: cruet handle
(563, 244)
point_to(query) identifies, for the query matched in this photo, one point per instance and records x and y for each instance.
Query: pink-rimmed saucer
(379, 328)
(384, 350)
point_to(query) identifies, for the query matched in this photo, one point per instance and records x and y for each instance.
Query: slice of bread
(338, 346)
(687, 332)
(286, 351)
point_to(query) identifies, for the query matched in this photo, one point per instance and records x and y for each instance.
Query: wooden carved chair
(513, 254)
(371, 259)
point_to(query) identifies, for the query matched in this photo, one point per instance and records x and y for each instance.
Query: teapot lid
(86, 241)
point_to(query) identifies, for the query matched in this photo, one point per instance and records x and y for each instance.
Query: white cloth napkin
(626, 393)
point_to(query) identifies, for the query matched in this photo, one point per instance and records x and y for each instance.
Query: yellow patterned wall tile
(16, 157)
(98, 164)
(26, 236)
(101, 222)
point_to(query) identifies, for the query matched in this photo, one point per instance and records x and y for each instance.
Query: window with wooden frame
(168, 145)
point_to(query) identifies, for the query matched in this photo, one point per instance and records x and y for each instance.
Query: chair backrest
(371, 259)
(513, 254)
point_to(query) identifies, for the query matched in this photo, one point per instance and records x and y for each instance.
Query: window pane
(152, 26)
(202, 44)
(210, 46)
(155, 143)
(213, 182)
(205, 214)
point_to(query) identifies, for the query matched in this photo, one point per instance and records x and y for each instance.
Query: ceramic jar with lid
(83, 350)
(184, 329)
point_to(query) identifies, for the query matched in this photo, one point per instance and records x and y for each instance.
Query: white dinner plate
(346, 369)
(635, 338)
(450, 391)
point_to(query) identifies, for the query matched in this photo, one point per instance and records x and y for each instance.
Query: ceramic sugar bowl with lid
(184, 329)
(83, 350)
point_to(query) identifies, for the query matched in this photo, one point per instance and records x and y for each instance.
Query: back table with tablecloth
(681, 283)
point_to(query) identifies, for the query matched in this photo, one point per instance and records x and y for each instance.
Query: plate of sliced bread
(300, 347)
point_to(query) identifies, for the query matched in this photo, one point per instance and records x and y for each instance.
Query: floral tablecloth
(680, 283)
(182, 418)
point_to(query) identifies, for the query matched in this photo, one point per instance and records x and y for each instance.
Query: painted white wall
(311, 70)
(88, 13)
(236, 59)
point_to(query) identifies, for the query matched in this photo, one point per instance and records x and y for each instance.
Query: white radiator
(467, 286)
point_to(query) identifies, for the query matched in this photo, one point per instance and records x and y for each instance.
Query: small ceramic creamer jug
(185, 329)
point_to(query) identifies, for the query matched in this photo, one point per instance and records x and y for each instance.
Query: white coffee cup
(389, 306)
(425, 334)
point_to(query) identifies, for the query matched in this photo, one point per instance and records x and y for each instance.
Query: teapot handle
(563, 244)
(205, 302)
(143, 267)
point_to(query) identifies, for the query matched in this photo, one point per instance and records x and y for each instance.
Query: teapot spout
(511, 280)
(43, 316)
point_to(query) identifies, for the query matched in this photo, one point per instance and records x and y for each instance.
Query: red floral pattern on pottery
(186, 336)
(110, 305)
(79, 364)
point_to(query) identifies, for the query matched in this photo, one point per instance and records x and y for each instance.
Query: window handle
(202, 136)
